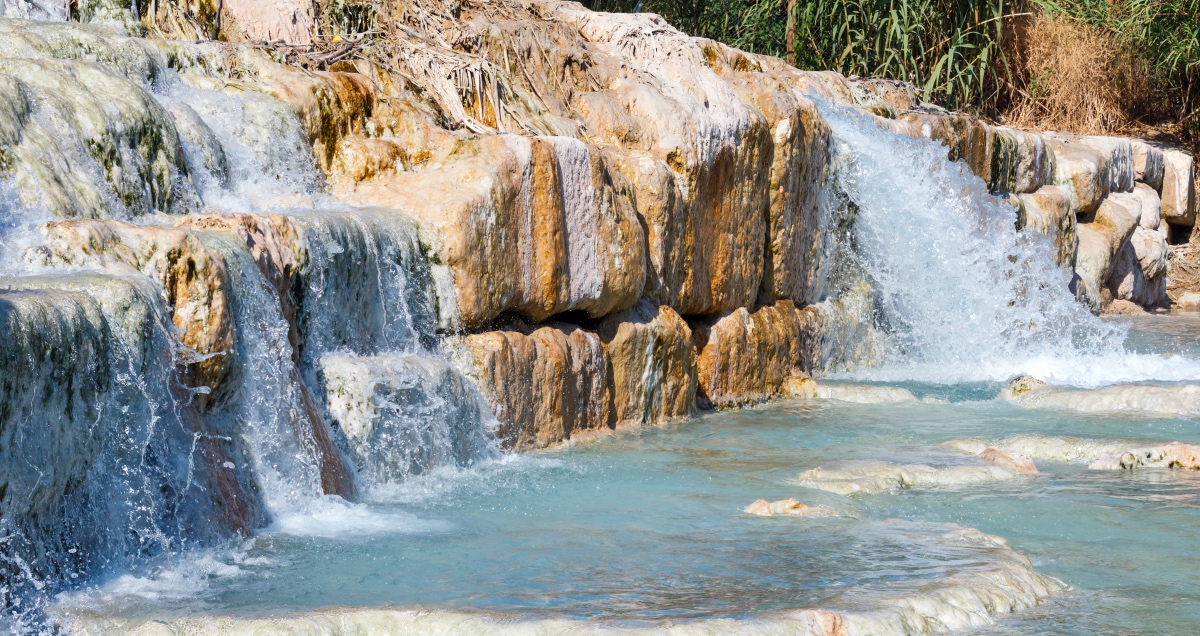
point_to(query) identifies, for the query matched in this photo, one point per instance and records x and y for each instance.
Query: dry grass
(1072, 77)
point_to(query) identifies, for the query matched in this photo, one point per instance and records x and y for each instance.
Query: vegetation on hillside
(1082, 65)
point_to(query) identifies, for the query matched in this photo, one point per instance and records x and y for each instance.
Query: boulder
(1178, 189)
(1100, 244)
(544, 386)
(1048, 212)
(192, 277)
(746, 357)
(1021, 162)
(652, 365)
(1091, 167)
(535, 226)
(1148, 164)
(1151, 217)
(787, 508)
(967, 138)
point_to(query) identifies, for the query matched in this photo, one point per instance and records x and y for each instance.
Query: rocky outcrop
(1098, 454)
(877, 478)
(544, 386)
(1047, 211)
(652, 365)
(787, 508)
(192, 278)
(1162, 400)
(746, 357)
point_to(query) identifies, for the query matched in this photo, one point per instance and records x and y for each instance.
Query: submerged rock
(787, 508)
(873, 478)
(1168, 400)
(1015, 462)
(1098, 454)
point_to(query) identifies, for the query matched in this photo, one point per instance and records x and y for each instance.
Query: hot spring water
(633, 529)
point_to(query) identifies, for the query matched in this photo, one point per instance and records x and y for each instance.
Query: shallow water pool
(646, 526)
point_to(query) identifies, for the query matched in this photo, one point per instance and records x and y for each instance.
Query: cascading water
(151, 470)
(932, 263)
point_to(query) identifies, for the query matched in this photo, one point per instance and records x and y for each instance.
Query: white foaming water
(332, 517)
(958, 294)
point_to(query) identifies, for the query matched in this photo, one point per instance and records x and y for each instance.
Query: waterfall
(922, 257)
(335, 380)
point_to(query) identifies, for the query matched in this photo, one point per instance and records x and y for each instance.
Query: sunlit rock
(1178, 188)
(1092, 167)
(653, 365)
(1148, 164)
(1048, 212)
(1151, 217)
(745, 357)
(1140, 268)
(544, 387)
(874, 478)
(1098, 454)
(1021, 162)
(801, 142)
(719, 147)
(1101, 242)
(1171, 400)
(787, 508)
(192, 277)
(967, 138)
(531, 225)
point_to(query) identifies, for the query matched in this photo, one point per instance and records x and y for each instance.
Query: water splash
(956, 292)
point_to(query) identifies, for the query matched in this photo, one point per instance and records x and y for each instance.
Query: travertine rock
(543, 387)
(652, 364)
(1140, 268)
(1100, 244)
(967, 138)
(746, 357)
(277, 21)
(1170, 400)
(193, 279)
(1147, 164)
(1015, 462)
(787, 508)
(1098, 454)
(404, 414)
(1021, 162)
(1091, 167)
(801, 142)
(536, 226)
(874, 478)
(1178, 188)
(1048, 212)
(719, 147)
